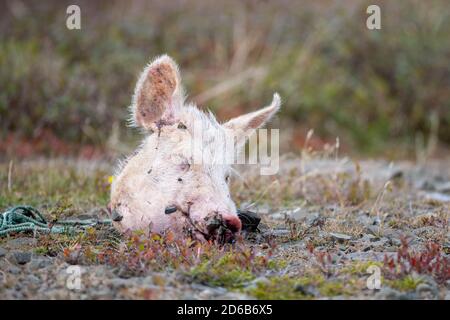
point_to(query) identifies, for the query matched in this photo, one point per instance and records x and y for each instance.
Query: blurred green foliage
(336, 76)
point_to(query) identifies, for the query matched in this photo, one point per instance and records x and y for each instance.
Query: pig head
(161, 187)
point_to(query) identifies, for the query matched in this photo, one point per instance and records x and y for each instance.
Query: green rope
(26, 218)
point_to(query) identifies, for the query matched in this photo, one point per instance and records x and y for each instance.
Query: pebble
(39, 263)
(22, 257)
(2, 252)
(424, 289)
(280, 233)
(13, 270)
(33, 279)
(437, 196)
(444, 187)
(340, 237)
(428, 284)
(278, 216)
(119, 283)
(296, 214)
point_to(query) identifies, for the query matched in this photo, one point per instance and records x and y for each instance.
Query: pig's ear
(244, 126)
(157, 93)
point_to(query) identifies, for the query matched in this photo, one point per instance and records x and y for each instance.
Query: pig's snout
(223, 227)
(232, 222)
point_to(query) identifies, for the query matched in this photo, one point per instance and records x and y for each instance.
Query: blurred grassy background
(381, 92)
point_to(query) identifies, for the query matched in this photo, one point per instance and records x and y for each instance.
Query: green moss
(278, 288)
(42, 250)
(226, 272)
(277, 264)
(228, 278)
(333, 288)
(407, 283)
(360, 267)
(288, 288)
(292, 288)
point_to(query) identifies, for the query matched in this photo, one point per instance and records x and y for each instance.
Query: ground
(329, 226)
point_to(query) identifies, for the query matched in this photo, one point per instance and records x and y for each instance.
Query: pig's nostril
(233, 223)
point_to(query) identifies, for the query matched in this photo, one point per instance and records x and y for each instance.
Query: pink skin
(162, 173)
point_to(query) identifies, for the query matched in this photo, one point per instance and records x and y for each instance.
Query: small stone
(340, 237)
(13, 270)
(426, 291)
(2, 252)
(280, 233)
(22, 257)
(33, 279)
(101, 294)
(119, 283)
(297, 214)
(444, 187)
(39, 263)
(278, 216)
(391, 294)
(427, 185)
(206, 294)
(437, 196)
(428, 284)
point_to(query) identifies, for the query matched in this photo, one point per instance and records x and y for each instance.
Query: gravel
(351, 235)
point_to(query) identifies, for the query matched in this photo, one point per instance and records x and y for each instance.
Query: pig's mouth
(216, 230)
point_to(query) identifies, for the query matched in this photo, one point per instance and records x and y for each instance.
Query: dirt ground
(332, 228)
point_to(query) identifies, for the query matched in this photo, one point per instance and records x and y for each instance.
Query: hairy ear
(157, 91)
(244, 126)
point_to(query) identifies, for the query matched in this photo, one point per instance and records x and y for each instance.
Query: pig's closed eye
(181, 161)
(185, 166)
(227, 178)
